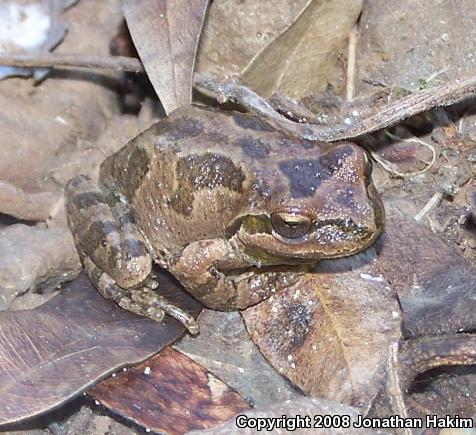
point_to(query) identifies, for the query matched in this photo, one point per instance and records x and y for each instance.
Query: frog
(233, 207)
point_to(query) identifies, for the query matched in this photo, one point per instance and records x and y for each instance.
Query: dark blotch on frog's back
(203, 171)
(209, 170)
(180, 128)
(285, 142)
(306, 175)
(250, 122)
(254, 148)
(346, 198)
(137, 168)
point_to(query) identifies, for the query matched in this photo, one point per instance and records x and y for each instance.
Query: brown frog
(226, 203)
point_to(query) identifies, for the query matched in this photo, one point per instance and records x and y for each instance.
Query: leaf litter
(156, 393)
(403, 311)
(53, 353)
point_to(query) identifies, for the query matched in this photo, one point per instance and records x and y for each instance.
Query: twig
(351, 65)
(59, 60)
(224, 91)
(430, 205)
(393, 169)
(393, 112)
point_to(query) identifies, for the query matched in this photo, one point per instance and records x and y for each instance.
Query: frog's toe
(153, 304)
(141, 308)
(152, 283)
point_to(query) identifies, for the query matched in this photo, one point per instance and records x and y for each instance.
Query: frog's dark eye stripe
(290, 225)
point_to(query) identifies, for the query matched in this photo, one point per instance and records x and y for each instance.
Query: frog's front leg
(106, 234)
(114, 252)
(222, 280)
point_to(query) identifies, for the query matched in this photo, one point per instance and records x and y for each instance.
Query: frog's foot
(146, 302)
(143, 301)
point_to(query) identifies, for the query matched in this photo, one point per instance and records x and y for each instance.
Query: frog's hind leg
(143, 301)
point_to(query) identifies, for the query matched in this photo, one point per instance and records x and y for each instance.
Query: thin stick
(60, 60)
(430, 205)
(393, 112)
(393, 169)
(382, 117)
(351, 65)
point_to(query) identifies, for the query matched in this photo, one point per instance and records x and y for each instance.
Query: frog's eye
(290, 225)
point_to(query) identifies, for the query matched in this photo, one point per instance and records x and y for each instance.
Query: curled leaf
(166, 34)
(303, 59)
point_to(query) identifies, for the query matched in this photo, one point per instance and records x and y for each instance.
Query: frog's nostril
(290, 225)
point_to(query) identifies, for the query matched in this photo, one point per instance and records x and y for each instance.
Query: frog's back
(191, 175)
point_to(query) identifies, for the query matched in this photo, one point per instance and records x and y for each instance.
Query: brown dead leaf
(26, 206)
(170, 394)
(330, 333)
(429, 376)
(166, 33)
(436, 285)
(304, 59)
(236, 30)
(34, 258)
(413, 44)
(52, 353)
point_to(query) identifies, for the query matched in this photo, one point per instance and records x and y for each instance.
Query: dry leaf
(304, 59)
(236, 30)
(170, 394)
(52, 353)
(436, 285)
(34, 258)
(166, 33)
(26, 206)
(225, 348)
(441, 46)
(330, 333)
